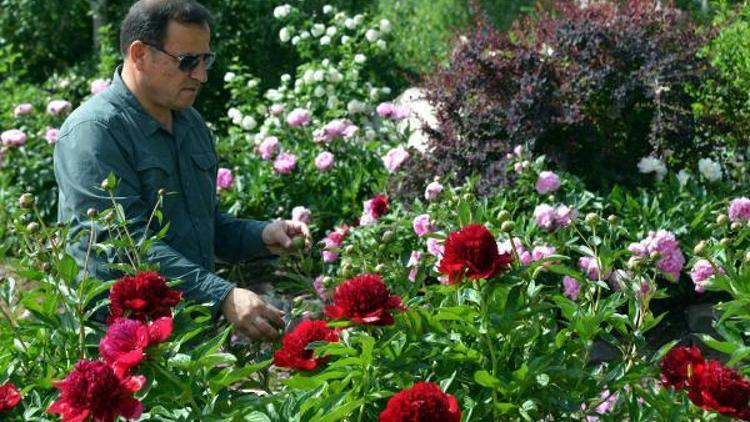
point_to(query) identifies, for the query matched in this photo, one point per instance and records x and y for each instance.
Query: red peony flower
(378, 205)
(678, 365)
(716, 387)
(294, 352)
(93, 390)
(142, 296)
(364, 300)
(9, 396)
(472, 251)
(124, 345)
(423, 402)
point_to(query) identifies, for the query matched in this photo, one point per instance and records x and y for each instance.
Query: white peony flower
(331, 31)
(319, 76)
(349, 23)
(285, 35)
(274, 95)
(652, 164)
(710, 169)
(327, 9)
(295, 40)
(318, 29)
(234, 113)
(345, 39)
(286, 77)
(381, 44)
(372, 35)
(229, 76)
(248, 123)
(304, 35)
(325, 40)
(280, 12)
(335, 76)
(683, 176)
(385, 26)
(252, 83)
(358, 19)
(354, 107)
(319, 91)
(333, 102)
(360, 58)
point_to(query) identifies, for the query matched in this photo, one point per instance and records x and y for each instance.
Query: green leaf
(256, 416)
(211, 345)
(340, 412)
(485, 379)
(368, 343)
(68, 269)
(299, 382)
(180, 360)
(721, 346)
(215, 359)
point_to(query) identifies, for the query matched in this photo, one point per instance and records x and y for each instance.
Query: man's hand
(251, 316)
(278, 236)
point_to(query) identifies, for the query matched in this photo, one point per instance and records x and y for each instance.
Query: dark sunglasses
(188, 62)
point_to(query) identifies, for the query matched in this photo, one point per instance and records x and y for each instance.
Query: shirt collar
(126, 98)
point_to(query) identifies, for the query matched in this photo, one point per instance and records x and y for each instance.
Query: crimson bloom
(378, 205)
(294, 352)
(9, 396)
(93, 390)
(124, 345)
(472, 251)
(716, 387)
(364, 300)
(143, 296)
(422, 402)
(679, 364)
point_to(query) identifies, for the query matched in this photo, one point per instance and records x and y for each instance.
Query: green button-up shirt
(112, 132)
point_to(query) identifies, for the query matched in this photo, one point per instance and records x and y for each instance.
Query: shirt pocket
(205, 174)
(153, 175)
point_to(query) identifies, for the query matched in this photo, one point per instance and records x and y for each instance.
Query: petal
(134, 383)
(334, 312)
(129, 408)
(160, 330)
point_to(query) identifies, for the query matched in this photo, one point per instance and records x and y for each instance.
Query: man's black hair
(147, 20)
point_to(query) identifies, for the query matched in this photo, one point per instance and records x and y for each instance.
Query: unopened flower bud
(109, 216)
(633, 262)
(349, 249)
(26, 200)
(700, 247)
(592, 218)
(507, 226)
(722, 219)
(32, 227)
(612, 219)
(725, 241)
(46, 267)
(503, 215)
(107, 185)
(654, 255)
(379, 268)
(747, 257)
(346, 269)
(735, 226)
(91, 212)
(162, 192)
(387, 235)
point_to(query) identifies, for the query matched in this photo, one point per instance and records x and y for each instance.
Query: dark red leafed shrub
(594, 88)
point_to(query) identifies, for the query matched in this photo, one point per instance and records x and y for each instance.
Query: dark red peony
(378, 206)
(9, 396)
(143, 296)
(472, 251)
(124, 345)
(716, 387)
(93, 390)
(294, 352)
(678, 365)
(423, 402)
(364, 300)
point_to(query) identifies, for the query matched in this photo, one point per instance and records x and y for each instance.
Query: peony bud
(503, 215)
(612, 219)
(387, 236)
(735, 226)
(349, 249)
(507, 226)
(379, 268)
(91, 212)
(592, 218)
(32, 227)
(725, 241)
(700, 247)
(26, 200)
(722, 219)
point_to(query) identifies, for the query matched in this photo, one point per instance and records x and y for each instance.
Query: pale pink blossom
(224, 178)
(739, 210)
(413, 263)
(268, 147)
(547, 182)
(302, 214)
(319, 287)
(276, 109)
(435, 247)
(324, 161)
(22, 109)
(334, 129)
(518, 150)
(432, 191)
(545, 216)
(422, 225)
(701, 272)
(394, 158)
(285, 163)
(392, 111)
(58, 107)
(51, 135)
(13, 137)
(299, 117)
(564, 215)
(571, 287)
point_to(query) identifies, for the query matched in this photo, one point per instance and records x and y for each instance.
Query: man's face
(167, 85)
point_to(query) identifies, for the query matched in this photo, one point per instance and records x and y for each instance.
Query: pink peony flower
(333, 240)
(422, 225)
(542, 251)
(334, 129)
(589, 266)
(393, 112)
(665, 244)
(432, 191)
(739, 210)
(13, 137)
(547, 182)
(100, 85)
(324, 161)
(276, 109)
(702, 270)
(571, 287)
(373, 209)
(268, 147)
(299, 117)
(564, 215)
(414, 260)
(395, 158)
(285, 163)
(22, 109)
(320, 288)
(545, 216)
(224, 178)
(51, 135)
(435, 247)
(57, 107)
(518, 150)
(301, 214)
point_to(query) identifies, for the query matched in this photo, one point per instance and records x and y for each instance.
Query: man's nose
(200, 73)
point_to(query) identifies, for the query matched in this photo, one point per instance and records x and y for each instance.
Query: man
(144, 130)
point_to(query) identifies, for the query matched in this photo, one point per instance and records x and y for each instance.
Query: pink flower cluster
(547, 182)
(301, 214)
(299, 117)
(268, 147)
(13, 137)
(589, 265)
(333, 240)
(373, 209)
(394, 158)
(224, 178)
(702, 272)
(285, 163)
(58, 107)
(665, 244)
(739, 210)
(392, 111)
(422, 225)
(525, 257)
(324, 161)
(22, 109)
(335, 128)
(550, 218)
(433, 190)
(414, 259)
(51, 135)
(571, 287)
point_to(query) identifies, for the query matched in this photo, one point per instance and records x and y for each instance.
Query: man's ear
(137, 54)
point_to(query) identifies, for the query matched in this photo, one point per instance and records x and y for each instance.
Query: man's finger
(248, 331)
(274, 316)
(264, 329)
